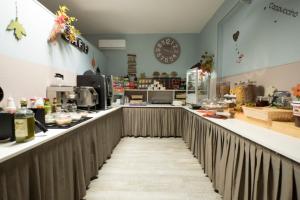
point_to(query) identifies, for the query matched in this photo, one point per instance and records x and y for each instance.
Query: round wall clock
(167, 50)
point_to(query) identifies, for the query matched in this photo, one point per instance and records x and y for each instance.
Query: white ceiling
(139, 16)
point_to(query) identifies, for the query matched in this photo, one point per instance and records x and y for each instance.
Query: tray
(54, 126)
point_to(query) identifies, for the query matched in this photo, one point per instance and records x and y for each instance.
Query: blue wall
(38, 22)
(143, 46)
(264, 42)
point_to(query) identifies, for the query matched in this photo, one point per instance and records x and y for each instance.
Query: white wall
(31, 62)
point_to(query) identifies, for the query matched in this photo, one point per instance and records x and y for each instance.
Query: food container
(50, 119)
(262, 101)
(84, 114)
(75, 116)
(62, 119)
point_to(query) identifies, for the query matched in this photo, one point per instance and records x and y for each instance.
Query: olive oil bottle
(24, 123)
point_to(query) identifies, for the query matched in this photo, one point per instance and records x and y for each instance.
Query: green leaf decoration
(18, 29)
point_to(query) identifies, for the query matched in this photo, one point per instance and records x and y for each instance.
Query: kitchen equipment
(58, 79)
(197, 86)
(282, 99)
(61, 93)
(87, 97)
(7, 126)
(102, 85)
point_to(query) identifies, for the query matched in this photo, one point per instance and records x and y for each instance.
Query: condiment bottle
(47, 106)
(54, 105)
(24, 123)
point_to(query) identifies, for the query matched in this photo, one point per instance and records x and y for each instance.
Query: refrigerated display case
(117, 88)
(197, 86)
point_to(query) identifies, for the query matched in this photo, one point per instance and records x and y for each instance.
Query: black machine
(102, 85)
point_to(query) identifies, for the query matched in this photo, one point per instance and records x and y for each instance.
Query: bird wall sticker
(240, 56)
(16, 26)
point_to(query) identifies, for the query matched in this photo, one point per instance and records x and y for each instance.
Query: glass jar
(24, 123)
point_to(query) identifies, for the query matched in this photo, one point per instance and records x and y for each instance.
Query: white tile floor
(151, 169)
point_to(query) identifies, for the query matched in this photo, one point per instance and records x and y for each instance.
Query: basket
(268, 114)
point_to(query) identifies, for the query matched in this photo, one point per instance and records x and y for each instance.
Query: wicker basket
(268, 114)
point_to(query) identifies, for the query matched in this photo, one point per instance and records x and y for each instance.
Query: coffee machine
(101, 84)
(61, 93)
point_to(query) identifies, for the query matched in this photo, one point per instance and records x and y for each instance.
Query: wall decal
(240, 56)
(16, 26)
(282, 10)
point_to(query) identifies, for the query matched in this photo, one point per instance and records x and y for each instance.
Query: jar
(262, 101)
(24, 124)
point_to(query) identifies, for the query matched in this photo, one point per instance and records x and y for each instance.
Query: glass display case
(197, 86)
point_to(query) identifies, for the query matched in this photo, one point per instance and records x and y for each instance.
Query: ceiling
(139, 16)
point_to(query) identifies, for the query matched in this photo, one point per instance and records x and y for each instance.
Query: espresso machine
(86, 97)
(61, 93)
(101, 84)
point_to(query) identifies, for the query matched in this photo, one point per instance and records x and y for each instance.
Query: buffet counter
(59, 165)
(242, 160)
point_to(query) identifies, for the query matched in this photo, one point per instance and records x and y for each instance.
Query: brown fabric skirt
(239, 168)
(152, 122)
(62, 168)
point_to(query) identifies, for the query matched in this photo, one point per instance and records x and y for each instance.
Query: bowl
(75, 116)
(63, 120)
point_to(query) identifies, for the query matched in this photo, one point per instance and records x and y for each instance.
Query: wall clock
(167, 50)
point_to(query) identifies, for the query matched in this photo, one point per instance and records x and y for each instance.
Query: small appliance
(87, 97)
(61, 93)
(102, 85)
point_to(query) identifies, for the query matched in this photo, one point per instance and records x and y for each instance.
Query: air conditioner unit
(112, 44)
(246, 1)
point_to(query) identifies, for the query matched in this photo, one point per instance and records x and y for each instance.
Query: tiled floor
(151, 169)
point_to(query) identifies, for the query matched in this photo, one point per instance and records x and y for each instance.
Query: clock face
(167, 50)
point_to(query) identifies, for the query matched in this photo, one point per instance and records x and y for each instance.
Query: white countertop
(283, 144)
(12, 149)
(278, 142)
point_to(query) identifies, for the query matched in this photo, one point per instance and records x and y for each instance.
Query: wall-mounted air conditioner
(112, 44)
(246, 1)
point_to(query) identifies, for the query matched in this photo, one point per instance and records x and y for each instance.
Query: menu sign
(79, 44)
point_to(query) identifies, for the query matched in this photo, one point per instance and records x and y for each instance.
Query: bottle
(54, 105)
(24, 123)
(47, 106)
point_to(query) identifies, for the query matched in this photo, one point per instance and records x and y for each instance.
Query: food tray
(268, 114)
(73, 123)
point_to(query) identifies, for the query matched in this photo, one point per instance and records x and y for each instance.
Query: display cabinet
(197, 86)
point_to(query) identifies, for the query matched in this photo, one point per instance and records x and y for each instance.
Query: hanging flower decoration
(64, 26)
(296, 91)
(206, 62)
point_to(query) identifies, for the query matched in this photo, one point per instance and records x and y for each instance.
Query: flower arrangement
(296, 91)
(206, 62)
(64, 26)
